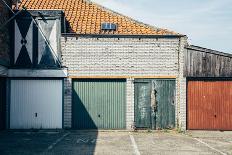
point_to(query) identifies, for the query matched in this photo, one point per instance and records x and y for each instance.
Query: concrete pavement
(115, 143)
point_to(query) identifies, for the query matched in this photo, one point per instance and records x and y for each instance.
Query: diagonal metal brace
(53, 52)
(7, 6)
(24, 9)
(15, 14)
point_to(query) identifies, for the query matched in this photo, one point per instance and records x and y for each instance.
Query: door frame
(149, 80)
(8, 102)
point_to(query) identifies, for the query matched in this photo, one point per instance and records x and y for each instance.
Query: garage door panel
(36, 104)
(209, 105)
(99, 103)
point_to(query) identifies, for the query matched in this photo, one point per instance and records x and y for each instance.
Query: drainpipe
(178, 87)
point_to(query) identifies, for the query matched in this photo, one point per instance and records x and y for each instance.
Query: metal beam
(37, 73)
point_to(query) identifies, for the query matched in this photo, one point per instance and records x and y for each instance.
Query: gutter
(119, 36)
(206, 50)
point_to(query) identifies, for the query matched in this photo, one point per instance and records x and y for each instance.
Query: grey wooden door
(143, 104)
(155, 103)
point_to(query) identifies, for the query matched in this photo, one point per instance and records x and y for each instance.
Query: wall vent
(109, 26)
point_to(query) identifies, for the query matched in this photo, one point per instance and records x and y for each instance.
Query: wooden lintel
(153, 77)
(99, 77)
(122, 77)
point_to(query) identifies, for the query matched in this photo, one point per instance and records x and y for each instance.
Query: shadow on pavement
(48, 142)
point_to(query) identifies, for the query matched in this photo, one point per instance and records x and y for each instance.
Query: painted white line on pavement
(136, 150)
(57, 141)
(199, 140)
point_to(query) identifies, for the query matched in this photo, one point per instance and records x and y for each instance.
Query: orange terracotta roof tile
(86, 17)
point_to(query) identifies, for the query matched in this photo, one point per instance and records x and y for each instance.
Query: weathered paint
(2, 103)
(165, 102)
(155, 103)
(209, 105)
(143, 104)
(35, 104)
(99, 103)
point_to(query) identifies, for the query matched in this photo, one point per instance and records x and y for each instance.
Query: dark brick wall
(4, 33)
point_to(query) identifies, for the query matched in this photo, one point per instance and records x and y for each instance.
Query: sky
(207, 23)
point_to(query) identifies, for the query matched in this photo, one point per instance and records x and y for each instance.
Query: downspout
(178, 86)
(132, 87)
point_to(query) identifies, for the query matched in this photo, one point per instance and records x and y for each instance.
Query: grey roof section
(206, 50)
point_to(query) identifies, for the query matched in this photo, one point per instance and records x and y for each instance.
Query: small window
(109, 26)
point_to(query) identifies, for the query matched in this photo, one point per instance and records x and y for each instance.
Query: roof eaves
(120, 35)
(211, 51)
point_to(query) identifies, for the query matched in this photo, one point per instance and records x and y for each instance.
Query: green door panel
(155, 103)
(165, 102)
(99, 104)
(142, 105)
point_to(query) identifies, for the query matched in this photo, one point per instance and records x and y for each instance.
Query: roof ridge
(130, 18)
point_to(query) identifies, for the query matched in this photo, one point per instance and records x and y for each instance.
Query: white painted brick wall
(130, 103)
(126, 57)
(182, 88)
(120, 57)
(67, 103)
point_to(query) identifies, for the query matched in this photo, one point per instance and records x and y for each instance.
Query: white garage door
(36, 104)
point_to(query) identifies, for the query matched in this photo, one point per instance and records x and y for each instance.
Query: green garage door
(99, 104)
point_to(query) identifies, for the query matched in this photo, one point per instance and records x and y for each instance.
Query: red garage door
(209, 105)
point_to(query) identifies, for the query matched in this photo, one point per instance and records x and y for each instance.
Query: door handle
(36, 114)
(99, 115)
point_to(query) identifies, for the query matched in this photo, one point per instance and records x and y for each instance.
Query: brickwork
(182, 87)
(120, 57)
(4, 36)
(67, 103)
(127, 57)
(130, 103)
